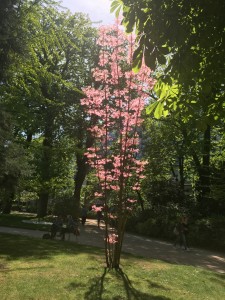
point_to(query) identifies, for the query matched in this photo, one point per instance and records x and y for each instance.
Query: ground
(90, 234)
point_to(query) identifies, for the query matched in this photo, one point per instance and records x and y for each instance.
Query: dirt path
(142, 246)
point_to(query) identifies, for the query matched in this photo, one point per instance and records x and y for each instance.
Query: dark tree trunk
(42, 204)
(8, 204)
(80, 175)
(82, 170)
(181, 172)
(205, 174)
(9, 186)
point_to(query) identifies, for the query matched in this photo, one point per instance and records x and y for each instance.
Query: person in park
(99, 217)
(57, 226)
(72, 225)
(177, 234)
(83, 215)
(180, 232)
(184, 232)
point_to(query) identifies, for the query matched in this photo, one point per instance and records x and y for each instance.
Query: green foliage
(41, 95)
(116, 7)
(62, 206)
(177, 160)
(159, 223)
(183, 42)
(167, 95)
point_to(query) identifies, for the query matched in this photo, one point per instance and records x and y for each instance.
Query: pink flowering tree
(115, 103)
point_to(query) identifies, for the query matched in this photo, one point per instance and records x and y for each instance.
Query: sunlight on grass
(41, 269)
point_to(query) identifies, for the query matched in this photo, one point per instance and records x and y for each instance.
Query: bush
(208, 233)
(62, 206)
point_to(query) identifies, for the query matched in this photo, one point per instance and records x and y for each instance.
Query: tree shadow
(218, 279)
(96, 288)
(15, 247)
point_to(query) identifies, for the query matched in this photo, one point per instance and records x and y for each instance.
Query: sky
(98, 10)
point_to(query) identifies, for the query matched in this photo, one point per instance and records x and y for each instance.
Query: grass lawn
(15, 219)
(44, 269)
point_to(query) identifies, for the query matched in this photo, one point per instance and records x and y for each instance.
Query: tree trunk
(181, 172)
(45, 168)
(79, 180)
(82, 170)
(42, 204)
(205, 174)
(9, 186)
(113, 250)
(7, 206)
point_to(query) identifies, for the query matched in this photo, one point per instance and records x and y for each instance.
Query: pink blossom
(131, 200)
(115, 112)
(97, 208)
(98, 194)
(112, 238)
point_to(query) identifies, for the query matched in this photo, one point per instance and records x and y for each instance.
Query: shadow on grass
(15, 247)
(218, 279)
(17, 220)
(98, 285)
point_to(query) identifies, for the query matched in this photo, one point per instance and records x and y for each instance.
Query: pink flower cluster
(112, 238)
(116, 106)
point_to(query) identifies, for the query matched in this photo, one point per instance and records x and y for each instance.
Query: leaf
(117, 12)
(137, 60)
(116, 4)
(159, 110)
(151, 107)
(150, 60)
(174, 105)
(165, 112)
(130, 25)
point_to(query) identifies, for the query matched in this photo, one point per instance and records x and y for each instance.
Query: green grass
(16, 219)
(44, 269)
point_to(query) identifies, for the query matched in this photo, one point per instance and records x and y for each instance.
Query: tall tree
(116, 107)
(13, 43)
(64, 62)
(185, 41)
(44, 88)
(186, 36)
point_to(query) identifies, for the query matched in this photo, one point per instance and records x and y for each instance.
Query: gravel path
(141, 246)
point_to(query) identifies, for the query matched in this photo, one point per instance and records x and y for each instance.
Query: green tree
(13, 43)
(187, 39)
(62, 62)
(185, 42)
(44, 90)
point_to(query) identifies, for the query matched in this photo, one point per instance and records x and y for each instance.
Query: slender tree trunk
(42, 204)
(10, 184)
(46, 166)
(79, 180)
(81, 171)
(205, 174)
(181, 172)
(7, 207)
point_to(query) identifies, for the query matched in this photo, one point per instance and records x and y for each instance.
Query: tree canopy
(186, 40)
